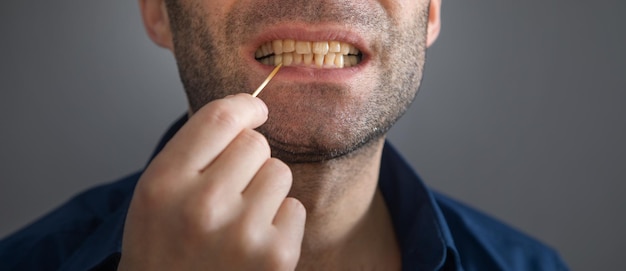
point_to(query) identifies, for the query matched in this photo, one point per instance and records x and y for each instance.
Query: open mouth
(312, 54)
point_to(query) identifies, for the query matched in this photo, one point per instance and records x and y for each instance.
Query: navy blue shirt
(434, 232)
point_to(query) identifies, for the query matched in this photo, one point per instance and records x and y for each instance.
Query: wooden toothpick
(267, 80)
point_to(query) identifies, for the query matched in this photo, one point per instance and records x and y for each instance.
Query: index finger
(210, 130)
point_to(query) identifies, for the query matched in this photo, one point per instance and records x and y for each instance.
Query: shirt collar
(422, 231)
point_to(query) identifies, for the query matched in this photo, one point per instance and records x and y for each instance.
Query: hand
(213, 199)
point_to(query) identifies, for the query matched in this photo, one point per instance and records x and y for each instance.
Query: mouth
(310, 54)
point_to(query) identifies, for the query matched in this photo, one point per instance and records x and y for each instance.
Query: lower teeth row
(328, 60)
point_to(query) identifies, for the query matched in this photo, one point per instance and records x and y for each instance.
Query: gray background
(521, 113)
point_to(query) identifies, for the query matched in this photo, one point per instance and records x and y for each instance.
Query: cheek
(403, 11)
(217, 9)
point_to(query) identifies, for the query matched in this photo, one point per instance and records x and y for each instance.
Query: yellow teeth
(314, 54)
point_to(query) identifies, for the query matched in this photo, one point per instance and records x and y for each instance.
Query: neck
(347, 224)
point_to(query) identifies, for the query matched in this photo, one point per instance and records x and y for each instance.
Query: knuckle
(249, 239)
(282, 174)
(282, 257)
(150, 196)
(254, 239)
(203, 214)
(256, 142)
(190, 214)
(221, 113)
(296, 206)
(281, 169)
(211, 194)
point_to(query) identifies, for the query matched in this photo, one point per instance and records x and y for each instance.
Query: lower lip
(306, 74)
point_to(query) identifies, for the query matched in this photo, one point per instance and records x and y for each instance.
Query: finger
(233, 169)
(266, 191)
(210, 130)
(290, 221)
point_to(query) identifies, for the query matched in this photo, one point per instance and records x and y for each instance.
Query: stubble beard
(330, 121)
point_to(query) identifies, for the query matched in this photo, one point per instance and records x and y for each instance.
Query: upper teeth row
(305, 47)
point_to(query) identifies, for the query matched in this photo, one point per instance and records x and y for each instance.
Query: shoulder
(54, 238)
(484, 241)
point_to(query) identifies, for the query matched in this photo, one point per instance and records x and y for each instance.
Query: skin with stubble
(214, 198)
(309, 121)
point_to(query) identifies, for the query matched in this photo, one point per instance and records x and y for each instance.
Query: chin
(309, 148)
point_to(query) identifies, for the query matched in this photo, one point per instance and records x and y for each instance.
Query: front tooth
(289, 46)
(329, 59)
(339, 60)
(303, 47)
(277, 47)
(307, 59)
(320, 47)
(334, 47)
(297, 58)
(319, 59)
(287, 59)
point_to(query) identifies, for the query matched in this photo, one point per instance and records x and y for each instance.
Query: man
(298, 179)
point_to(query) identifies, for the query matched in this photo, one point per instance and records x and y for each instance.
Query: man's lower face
(351, 68)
